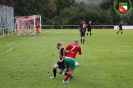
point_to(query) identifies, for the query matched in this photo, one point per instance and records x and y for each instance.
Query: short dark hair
(58, 44)
(76, 41)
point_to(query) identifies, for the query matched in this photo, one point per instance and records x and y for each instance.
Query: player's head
(89, 22)
(76, 41)
(121, 22)
(58, 45)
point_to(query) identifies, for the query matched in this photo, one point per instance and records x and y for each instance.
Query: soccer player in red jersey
(69, 59)
(37, 29)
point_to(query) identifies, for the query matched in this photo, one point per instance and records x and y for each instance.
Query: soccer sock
(90, 34)
(121, 32)
(87, 34)
(54, 72)
(117, 32)
(83, 41)
(65, 73)
(67, 69)
(67, 76)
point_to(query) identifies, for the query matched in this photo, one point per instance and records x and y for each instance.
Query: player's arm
(65, 50)
(64, 53)
(62, 58)
(80, 52)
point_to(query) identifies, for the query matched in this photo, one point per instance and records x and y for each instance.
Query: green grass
(106, 62)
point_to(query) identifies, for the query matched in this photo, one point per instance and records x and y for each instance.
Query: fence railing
(77, 26)
(8, 31)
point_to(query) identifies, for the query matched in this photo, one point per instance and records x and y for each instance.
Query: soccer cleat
(63, 72)
(65, 82)
(52, 77)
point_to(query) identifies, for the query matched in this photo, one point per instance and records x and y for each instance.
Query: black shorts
(82, 34)
(61, 65)
(89, 30)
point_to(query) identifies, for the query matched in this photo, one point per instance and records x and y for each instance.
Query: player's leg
(83, 38)
(54, 70)
(62, 69)
(70, 63)
(87, 33)
(36, 31)
(121, 32)
(90, 32)
(117, 32)
(85, 30)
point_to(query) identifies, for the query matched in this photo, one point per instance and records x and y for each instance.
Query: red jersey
(73, 49)
(37, 27)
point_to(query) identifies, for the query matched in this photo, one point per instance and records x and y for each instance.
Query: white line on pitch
(18, 45)
(15, 46)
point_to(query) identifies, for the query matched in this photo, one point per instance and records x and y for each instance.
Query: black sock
(54, 72)
(65, 73)
(90, 34)
(117, 32)
(121, 32)
(87, 34)
(83, 41)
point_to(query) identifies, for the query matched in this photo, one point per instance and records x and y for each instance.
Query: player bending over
(60, 63)
(69, 61)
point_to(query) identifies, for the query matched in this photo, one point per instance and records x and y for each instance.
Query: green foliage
(68, 12)
(108, 5)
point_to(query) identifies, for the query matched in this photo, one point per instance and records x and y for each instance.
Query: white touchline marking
(7, 44)
(19, 44)
(15, 46)
(10, 44)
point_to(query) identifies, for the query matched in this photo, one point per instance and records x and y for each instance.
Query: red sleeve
(80, 50)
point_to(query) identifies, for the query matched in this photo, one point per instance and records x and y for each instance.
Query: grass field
(106, 62)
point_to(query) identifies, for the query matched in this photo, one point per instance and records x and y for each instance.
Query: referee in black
(82, 32)
(89, 28)
(120, 28)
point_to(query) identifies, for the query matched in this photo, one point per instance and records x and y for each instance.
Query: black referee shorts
(82, 34)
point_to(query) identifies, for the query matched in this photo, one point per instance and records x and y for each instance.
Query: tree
(109, 5)
(61, 4)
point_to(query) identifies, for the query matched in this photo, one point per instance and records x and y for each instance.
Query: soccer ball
(76, 64)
